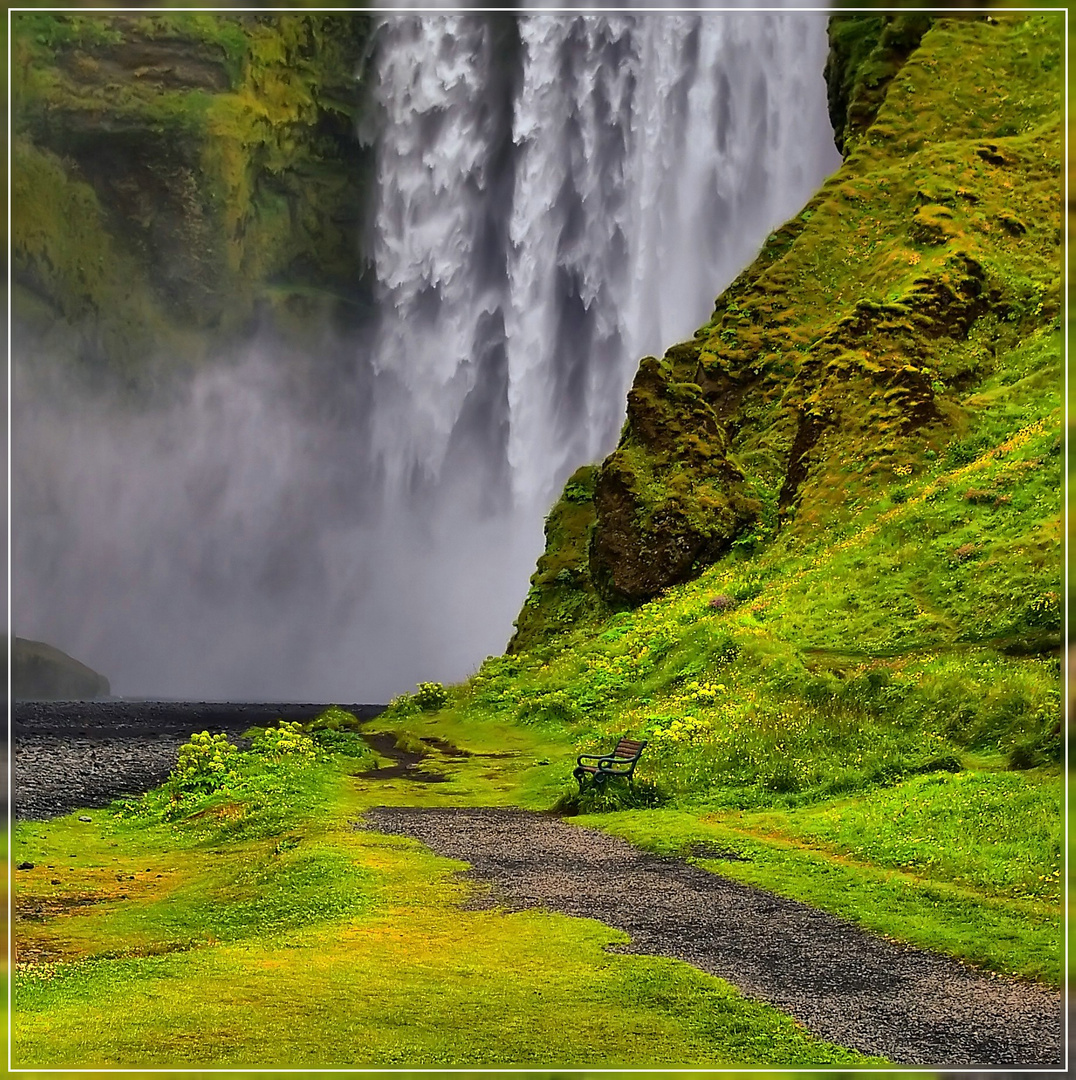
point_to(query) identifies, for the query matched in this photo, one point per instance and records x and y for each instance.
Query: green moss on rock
(862, 336)
(561, 592)
(668, 500)
(214, 159)
(865, 52)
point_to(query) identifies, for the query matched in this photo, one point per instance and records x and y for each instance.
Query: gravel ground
(75, 754)
(912, 1007)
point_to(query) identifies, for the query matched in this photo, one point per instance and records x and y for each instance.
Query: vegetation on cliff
(902, 327)
(821, 574)
(177, 173)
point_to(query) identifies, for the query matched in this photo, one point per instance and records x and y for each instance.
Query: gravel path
(912, 1007)
(75, 754)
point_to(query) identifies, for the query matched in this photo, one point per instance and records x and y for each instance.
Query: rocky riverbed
(74, 754)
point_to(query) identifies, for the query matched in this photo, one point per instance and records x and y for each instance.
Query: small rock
(544, 761)
(25, 866)
(83, 817)
(55, 881)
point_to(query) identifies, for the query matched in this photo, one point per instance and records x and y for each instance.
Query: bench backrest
(629, 748)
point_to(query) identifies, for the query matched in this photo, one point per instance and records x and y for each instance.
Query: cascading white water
(642, 162)
(555, 197)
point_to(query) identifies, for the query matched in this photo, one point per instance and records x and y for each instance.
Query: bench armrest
(593, 757)
(605, 765)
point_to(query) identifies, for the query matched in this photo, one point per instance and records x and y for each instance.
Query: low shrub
(285, 740)
(431, 696)
(611, 796)
(333, 719)
(206, 762)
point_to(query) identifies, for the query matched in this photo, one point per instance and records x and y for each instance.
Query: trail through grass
(323, 945)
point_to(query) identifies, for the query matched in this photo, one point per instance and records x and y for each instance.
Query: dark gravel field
(879, 997)
(73, 754)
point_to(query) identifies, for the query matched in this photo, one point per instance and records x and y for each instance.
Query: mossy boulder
(41, 672)
(668, 500)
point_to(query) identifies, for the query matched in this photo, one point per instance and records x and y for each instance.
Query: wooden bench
(621, 762)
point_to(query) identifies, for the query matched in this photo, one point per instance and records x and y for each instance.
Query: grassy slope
(865, 689)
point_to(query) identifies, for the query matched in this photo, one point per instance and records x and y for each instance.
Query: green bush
(286, 740)
(431, 696)
(333, 719)
(611, 796)
(206, 762)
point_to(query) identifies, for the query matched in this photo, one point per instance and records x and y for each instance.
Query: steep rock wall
(176, 175)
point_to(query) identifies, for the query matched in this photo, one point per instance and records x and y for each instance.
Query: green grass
(968, 865)
(171, 943)
(861, 697)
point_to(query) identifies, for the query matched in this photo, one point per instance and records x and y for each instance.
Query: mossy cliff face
(176, 173)
(865, 52)
(866, 339)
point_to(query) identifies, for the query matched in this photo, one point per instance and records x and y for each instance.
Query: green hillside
(821, 575)
(822, 571)
(852, 473)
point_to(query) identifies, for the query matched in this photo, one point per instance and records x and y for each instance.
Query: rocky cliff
(903, 325)
(177, 176)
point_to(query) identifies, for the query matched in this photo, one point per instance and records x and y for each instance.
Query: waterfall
(554, 197)
(529, 256)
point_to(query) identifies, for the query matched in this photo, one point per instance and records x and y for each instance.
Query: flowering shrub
(706, 693)
(284, 741)
(689, 729)
(402, 705)
(332, 719)
(1044, 611)
(205, 763)
(431, 696)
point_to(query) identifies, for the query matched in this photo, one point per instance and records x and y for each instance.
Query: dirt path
(912, 1007)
